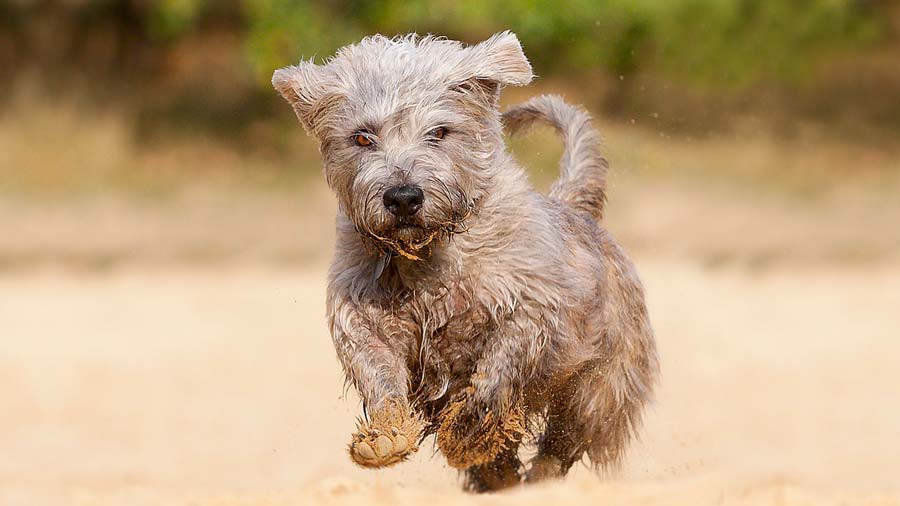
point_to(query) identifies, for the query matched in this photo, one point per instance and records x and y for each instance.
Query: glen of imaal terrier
(462, 302)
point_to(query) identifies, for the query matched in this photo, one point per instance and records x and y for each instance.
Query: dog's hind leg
(587, 416)
(502, 472)
(598, 410)
(563, 441)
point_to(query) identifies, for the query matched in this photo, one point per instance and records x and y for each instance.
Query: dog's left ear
(500, 60)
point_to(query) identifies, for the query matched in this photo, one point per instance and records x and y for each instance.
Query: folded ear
(303, 86)
(500, 60)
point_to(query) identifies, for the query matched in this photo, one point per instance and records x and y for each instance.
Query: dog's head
(408, 129)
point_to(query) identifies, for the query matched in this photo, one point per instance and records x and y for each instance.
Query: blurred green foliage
(686, 62)
(171, 18)
(731, 43)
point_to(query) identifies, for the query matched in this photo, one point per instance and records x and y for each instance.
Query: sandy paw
(468, 440)
(388, 438)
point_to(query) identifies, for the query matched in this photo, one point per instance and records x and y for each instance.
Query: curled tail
(582, 178)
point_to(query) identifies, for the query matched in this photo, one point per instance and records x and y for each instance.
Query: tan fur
(493, 308)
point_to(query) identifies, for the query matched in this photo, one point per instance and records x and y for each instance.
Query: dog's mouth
(408, 240)
(412, 238)
(406, 225)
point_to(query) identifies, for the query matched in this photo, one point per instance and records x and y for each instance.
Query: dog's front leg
(489, 417)
(390, 430)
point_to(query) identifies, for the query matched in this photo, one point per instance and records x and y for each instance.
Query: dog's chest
(442, 333)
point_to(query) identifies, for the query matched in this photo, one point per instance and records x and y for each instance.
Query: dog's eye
(437, 134)
(362, 139)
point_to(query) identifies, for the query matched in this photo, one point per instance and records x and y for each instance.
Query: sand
(219, 385)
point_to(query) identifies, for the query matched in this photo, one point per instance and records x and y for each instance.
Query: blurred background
(166, 230)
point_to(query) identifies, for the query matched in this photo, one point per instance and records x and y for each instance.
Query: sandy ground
(219, 386)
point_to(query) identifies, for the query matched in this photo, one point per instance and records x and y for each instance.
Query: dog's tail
(583, 168)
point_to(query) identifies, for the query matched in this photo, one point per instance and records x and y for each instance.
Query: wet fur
(498, 300)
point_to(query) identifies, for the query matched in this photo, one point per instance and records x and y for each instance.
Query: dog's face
(408, 129)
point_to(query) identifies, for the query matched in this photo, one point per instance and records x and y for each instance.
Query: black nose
(404, 201)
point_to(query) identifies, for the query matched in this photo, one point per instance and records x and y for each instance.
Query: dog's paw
(374, 448)
(470, 437)
(388, 438)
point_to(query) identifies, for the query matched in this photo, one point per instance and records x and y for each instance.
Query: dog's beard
(414, 237)
(409, 231)
(409, 238)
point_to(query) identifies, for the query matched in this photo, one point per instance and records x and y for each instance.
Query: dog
(461, 302)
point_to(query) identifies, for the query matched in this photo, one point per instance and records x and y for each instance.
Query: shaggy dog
(462, 302)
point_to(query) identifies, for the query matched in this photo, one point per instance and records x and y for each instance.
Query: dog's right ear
(303, 86)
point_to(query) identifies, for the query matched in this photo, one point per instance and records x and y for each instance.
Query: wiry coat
(496, 298)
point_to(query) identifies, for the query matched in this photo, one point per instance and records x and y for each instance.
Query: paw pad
(388, 438)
